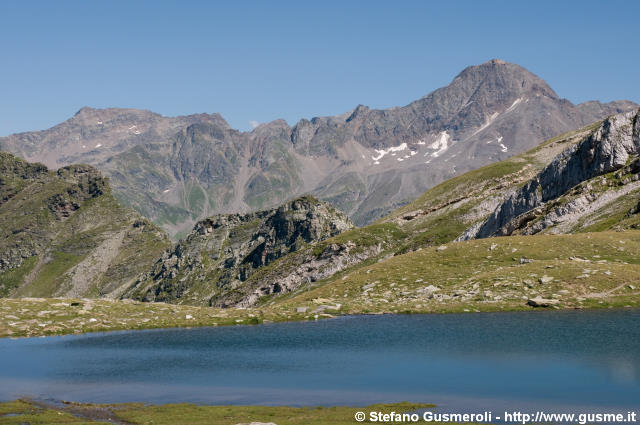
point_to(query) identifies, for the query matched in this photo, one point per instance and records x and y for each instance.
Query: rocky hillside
(458, 206)
(223, 251)
(583, 270)
(580, 186)
(592, 182)
(365, 162)
(438, 216)
(62, 233)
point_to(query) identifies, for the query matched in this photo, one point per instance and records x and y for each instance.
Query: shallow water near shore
(579, 360)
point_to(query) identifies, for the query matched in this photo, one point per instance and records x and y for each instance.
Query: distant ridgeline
(366, 162)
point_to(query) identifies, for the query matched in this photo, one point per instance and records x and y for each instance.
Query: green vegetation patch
(379, 233)
(13, 278)
(49, 277)
(23, 412)
(231, 415)
(180, 414)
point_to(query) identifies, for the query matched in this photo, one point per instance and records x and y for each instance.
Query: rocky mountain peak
(274, 130)
(213, 118)
(177, 170)
(84, 111)
(481, 93)
(359, 111)
(505, 76)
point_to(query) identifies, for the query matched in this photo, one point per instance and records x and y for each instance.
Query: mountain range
(579, 185)
(567, 211)
(366, 162)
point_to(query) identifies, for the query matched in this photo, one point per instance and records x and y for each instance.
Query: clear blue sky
(262, 60)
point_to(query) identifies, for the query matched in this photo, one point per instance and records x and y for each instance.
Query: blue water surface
(559, 359)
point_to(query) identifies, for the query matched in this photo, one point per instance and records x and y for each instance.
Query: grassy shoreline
(176, 316)
(40, 413)
(581, 271)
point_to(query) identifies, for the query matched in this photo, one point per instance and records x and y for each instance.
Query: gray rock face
(302, 269)
(225, 250)
(365, 162)
(93, 135)
(610, 148)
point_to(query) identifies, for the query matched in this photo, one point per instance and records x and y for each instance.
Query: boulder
(545, 279)
(257, 423)
(542, 302)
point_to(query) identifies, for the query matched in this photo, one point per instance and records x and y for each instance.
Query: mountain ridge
(365, 162)
(304, 254)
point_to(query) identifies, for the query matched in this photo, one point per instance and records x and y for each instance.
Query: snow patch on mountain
(392, 150)
(514, 104)
(491, 119)
(440, 145)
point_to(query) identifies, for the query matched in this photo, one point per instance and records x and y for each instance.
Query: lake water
(462, 362)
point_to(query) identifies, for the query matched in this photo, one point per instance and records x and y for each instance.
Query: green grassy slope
(64, 233)
(580, 270)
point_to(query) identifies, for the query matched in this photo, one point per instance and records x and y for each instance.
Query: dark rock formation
(223, 251)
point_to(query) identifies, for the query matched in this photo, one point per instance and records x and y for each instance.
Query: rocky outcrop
(300, 270)
(613, 147)
(542, 302)
(224, 251)
(365, 162)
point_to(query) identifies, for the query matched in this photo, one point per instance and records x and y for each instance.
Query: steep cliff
(580, 181)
